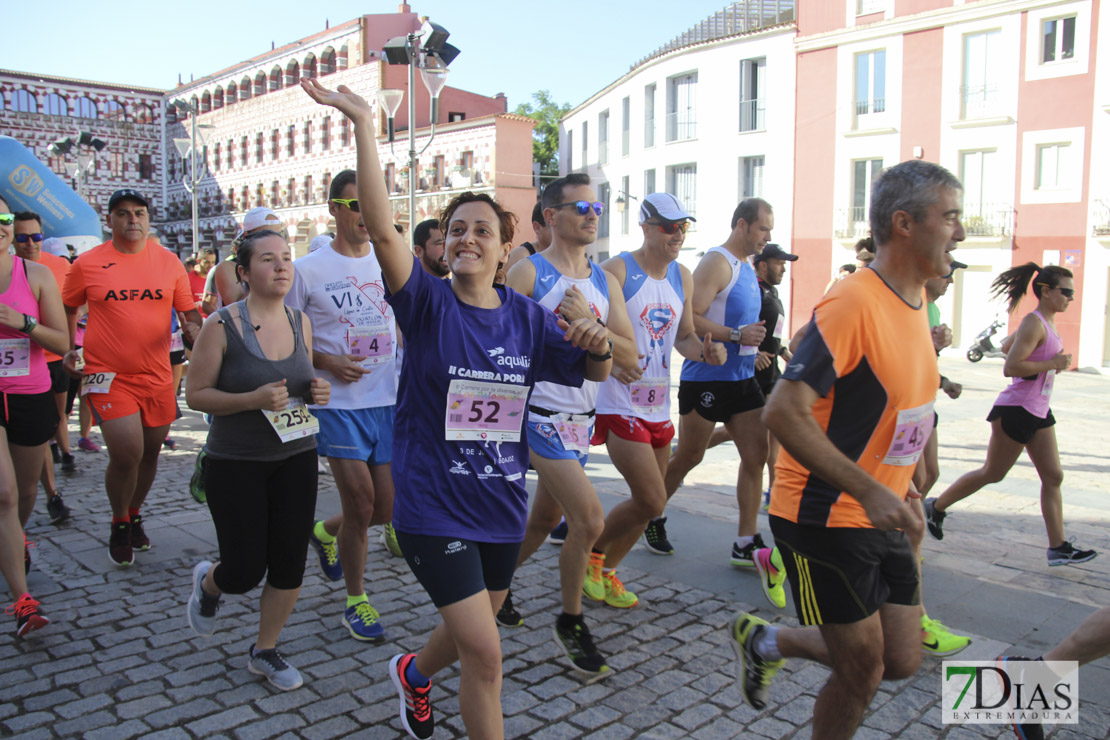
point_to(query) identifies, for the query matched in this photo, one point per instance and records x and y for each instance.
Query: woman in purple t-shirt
(474, 351)
(1021, 418)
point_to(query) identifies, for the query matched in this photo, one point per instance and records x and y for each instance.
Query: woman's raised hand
(353, 105)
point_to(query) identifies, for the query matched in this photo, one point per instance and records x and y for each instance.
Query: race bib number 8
(294, 422)
(15, 357)
(97, 383)
(648, 395)
(490, 412)
(911, 432)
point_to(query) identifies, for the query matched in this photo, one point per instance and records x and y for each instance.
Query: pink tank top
(22, 364)
(1033, 394)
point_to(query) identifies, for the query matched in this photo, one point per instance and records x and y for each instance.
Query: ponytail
(1013, 283)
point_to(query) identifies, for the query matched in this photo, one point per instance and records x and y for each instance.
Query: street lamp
(188, 148)
(622, 201)
(432, 59)
(86, 158)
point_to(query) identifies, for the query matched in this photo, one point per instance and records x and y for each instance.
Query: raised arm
(373, 200)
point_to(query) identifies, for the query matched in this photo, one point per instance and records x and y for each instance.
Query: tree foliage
(545, 138)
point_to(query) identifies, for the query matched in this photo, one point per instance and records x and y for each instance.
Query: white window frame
(871, 114)
(649, 115)
(682, 97)
(983, 99)
(871, 170)
(603, 137)
(869, 7)
(752, 169)
(753, 100)
(688, 184)
(1035, 67)
(1071, 189)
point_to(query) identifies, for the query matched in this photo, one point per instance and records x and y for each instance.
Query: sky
(572, 48)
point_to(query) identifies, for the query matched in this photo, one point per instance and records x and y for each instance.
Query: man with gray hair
(853, 411)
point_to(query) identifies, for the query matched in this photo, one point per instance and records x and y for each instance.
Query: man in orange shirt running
(130, 287)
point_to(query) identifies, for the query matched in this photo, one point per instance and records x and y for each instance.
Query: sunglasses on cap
(582, 207)
(670, 227)
(24, 238)
(351, 203)
(7, 219)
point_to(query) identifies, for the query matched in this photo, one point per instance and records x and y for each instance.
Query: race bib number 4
(911, 432)
(491, 412)
(97, 383)
(15, 357)
(373, 346)
(294, 421)
(649, 395)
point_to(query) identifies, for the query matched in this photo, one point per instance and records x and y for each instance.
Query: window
(980, 84)
(144, 114)
(327, 185)
(308, 193)
(585, 142)
(275, 144)
(751, 177)
(455, 116)
(985, 211)
(681, 100)
(1051, 166)
(649, 182)
(864, 172)
(682, 182)
(1059, 39)
(85, 108)
(55, 105)
(438, 167)
(307, 137)
(626, 110)
(259, 195)
(230, 155)
(230, 199)
(146, 167)
(870, 83)
(116, 164)
(216, 158)
(291, 192)
(603, 137)
(258, 148)
(866, 7)
(275, 201)
(649, 116)
(603, 220)
(752, 86)
(290, 141)
(243, 152)
(325, 134)
(570, 150)
(467, 161)
(344, 131)
(627, 205)
(232, 98)
(245, 198)
(23, 101)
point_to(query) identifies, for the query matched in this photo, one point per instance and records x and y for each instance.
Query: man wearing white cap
(634, 404)
(324, 240)
(223, 287)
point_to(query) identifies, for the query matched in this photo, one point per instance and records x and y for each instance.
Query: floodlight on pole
(390, 101)
(189, 147)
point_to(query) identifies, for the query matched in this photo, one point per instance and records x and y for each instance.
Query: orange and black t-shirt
(870, 357)
(130, 298)
(59, 268)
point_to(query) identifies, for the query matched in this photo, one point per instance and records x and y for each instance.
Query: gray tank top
(247, 435)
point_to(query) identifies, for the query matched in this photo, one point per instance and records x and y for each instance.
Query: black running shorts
(719, 400)
(30, 419)
(452, 569)
(841, 575)
(1018, 424)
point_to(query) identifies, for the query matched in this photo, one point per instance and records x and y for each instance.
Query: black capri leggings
(264, 513)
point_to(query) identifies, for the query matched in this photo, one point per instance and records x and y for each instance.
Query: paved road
(119, 661)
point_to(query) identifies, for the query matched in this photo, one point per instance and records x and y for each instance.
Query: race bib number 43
(491, 412)
(15, 357)
(911, 432)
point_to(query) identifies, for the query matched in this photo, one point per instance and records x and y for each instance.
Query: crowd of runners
(432, 382)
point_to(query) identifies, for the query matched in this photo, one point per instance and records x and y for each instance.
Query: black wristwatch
(29, 324)
(602, 358)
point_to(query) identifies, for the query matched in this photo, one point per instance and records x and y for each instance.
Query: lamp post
(188, 148)
(79, 171)
(622, 200)
(432, 59)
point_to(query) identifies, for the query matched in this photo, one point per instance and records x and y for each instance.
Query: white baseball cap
(258, 218)
(664, 207)
(55, 246)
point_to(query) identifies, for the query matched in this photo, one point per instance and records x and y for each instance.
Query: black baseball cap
(127, 194)
(774, 252)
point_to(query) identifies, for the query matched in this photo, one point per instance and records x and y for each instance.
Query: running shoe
(768, 564)
(27, 545)
(1068, 554)
(558, 535)
(201, 609)
(767, 499)
(581, 654)
(744, 557)
(593, 588)
(55, 455)
(615, 593)
(56, 509)
(139, 540)
(119, 544)
(68, 463)
(416, 710)
(86, 444)
(934, 519)
(389, 539)
(937, 640)
(196, 482)
(27, 615)
(754, 673)
(170, 444)
(507, 615)
(362, 621)
(328, 552)
(273, 666)
(655, 537)
(1028, 731)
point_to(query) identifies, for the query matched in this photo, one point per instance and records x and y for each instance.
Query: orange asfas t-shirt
(130, 297)
(870, 357)
(59, 268)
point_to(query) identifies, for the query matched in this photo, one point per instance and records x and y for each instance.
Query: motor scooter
(983, 346)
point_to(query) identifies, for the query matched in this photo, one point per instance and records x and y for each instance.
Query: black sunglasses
(1066, 292)
(582, 206)
(24, 238)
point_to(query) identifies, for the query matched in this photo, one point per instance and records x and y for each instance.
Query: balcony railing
(1101, 219)
(852, 223)
(752, 115)
(681, 126)
(981, 101)
(873, 105)
(988, 219)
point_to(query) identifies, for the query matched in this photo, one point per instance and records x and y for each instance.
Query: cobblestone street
(118, 659)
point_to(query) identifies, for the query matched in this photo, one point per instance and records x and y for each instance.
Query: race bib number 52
(490, 412)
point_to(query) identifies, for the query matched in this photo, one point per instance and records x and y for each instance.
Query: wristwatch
(734, 336)
(602, 358)
(29, 324)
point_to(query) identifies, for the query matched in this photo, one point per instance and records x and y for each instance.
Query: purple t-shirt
(459, 450)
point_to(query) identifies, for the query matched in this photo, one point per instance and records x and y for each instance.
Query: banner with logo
(1010, 691)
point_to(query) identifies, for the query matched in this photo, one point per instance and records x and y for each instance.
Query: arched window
(327, 61)
(85, 108)
(309, 66)
(205, 102)
(55, 105)
(343, 57)
(245, 89)
(292, 73)
(260, 84)
(23, 101)
(114, 111)
(143, 113)
(276, 78)
(171, 115)
(218, 99)
(232, 93)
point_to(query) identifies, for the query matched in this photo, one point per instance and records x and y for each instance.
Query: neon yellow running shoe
(593, 588)
(768, 564)
(754, 673)
(615, 594)
(389, 539)
(937, 640)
